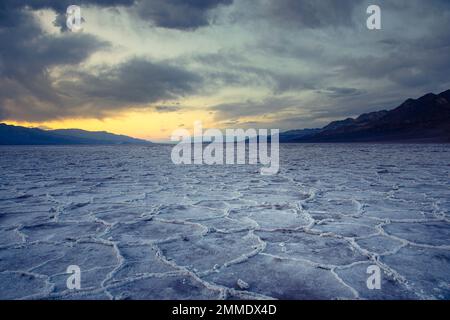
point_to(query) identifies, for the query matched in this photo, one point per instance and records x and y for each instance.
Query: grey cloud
(306, 46)
(283, 112)
(336, 92)
(174, 14)
(61, 5)
(415, 60)
(381, 69)
(167, 109)
(312, 13)
(26, 56)
(178, 14)
(29, 91)
(136, 81)
(266, 107)
(410, 65)
(231, 69)
(11, 11)
(332, 13)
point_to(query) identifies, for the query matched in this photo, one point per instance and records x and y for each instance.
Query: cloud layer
(275, 61)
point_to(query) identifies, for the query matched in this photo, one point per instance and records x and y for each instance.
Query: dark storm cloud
(29, 91)
(178, 14)
(312, 13)
(419, 58)
(27, 53)
(172, 14)
(60, 5)
(298, 13)
(26, 56)
(409, 63)
(135, 82)
(317, 14)
(11, 10)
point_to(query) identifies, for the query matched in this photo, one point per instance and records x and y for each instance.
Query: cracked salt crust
(140, 227)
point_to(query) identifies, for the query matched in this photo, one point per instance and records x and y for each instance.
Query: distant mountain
(293, 135)
(15, 135)
(361, 121)
(426, 119)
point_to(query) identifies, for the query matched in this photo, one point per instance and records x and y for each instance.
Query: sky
(146, 68)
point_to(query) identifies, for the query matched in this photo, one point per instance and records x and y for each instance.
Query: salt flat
(140, 227)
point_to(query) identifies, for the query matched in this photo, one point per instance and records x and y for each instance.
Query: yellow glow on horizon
(149, 125)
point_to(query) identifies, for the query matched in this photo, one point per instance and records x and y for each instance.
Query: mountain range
(15, 135)
(426, 119)
(422, 120)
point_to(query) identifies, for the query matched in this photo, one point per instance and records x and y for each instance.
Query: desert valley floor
(140, 227)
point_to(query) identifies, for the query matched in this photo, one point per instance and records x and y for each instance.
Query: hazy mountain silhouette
(15, 135)
(426, 119)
